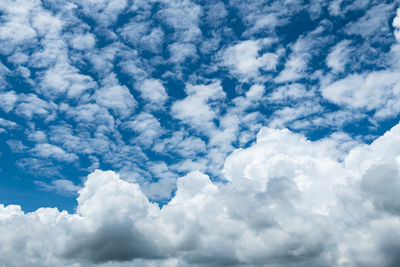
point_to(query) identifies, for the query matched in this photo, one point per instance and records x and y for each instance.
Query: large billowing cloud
(286, 201)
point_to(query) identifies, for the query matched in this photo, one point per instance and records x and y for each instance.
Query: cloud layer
(235, 133)
(286, 201)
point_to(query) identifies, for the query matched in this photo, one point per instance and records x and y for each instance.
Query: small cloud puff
(244, 59)
(396, 25)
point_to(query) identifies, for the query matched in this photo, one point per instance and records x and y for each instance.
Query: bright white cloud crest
(283, 188)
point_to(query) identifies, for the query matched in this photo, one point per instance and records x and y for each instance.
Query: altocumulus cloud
(235, 133)
(286, 201)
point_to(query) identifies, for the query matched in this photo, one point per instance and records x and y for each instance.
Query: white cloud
(183, 17)
(52, 151)
(285, 196)
(287, 115)
(255, 92)
(61, 186)
(179, 52)
(117, 98)
(244, 59)
(287, 201)
(280, 153)
(196, 108)
(63, 78)
(7, 100)
(84, 112)
(83, 42)
(38, 137)
(104, 12)
(252, 98)
(102, 60)
(267, 21)
(143, 35)
(153, 91)
(289, 92)
(45, 24)
(182, 144)
(340, 7)
(374, 24)
(295, 68)
(215, 13)
(153, 41)
(377, 91)
(133, 67)
(16, 27)
(262, 17)
(30, 105)
(165, 182)
(7, 123)
(147, 126)
(396, 25)
(339, 56)
(16, 146)
(64, 136)
(4, 71)
(306, 46)
(39, 167)
(334, 120)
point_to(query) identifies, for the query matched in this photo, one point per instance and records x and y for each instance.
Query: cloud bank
(236, 133)
(286, 201)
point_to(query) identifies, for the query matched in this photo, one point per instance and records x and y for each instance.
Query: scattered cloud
(396, 25)
(61, 186)
(197, 108)
(244, 59)
(52, 151)
(339, 56)
(375, 91)
(235, 132)
(153, 91)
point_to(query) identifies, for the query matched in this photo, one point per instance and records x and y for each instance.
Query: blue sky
(196, 104)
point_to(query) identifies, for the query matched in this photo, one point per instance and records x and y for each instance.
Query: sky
(200, 133)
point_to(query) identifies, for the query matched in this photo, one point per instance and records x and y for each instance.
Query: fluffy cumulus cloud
(236, 133)
(396, 25)
(371, 91)
(8, 100)
(198, 108)
(117, 98)
(244, 58)
(286, 201)
(153, 91)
